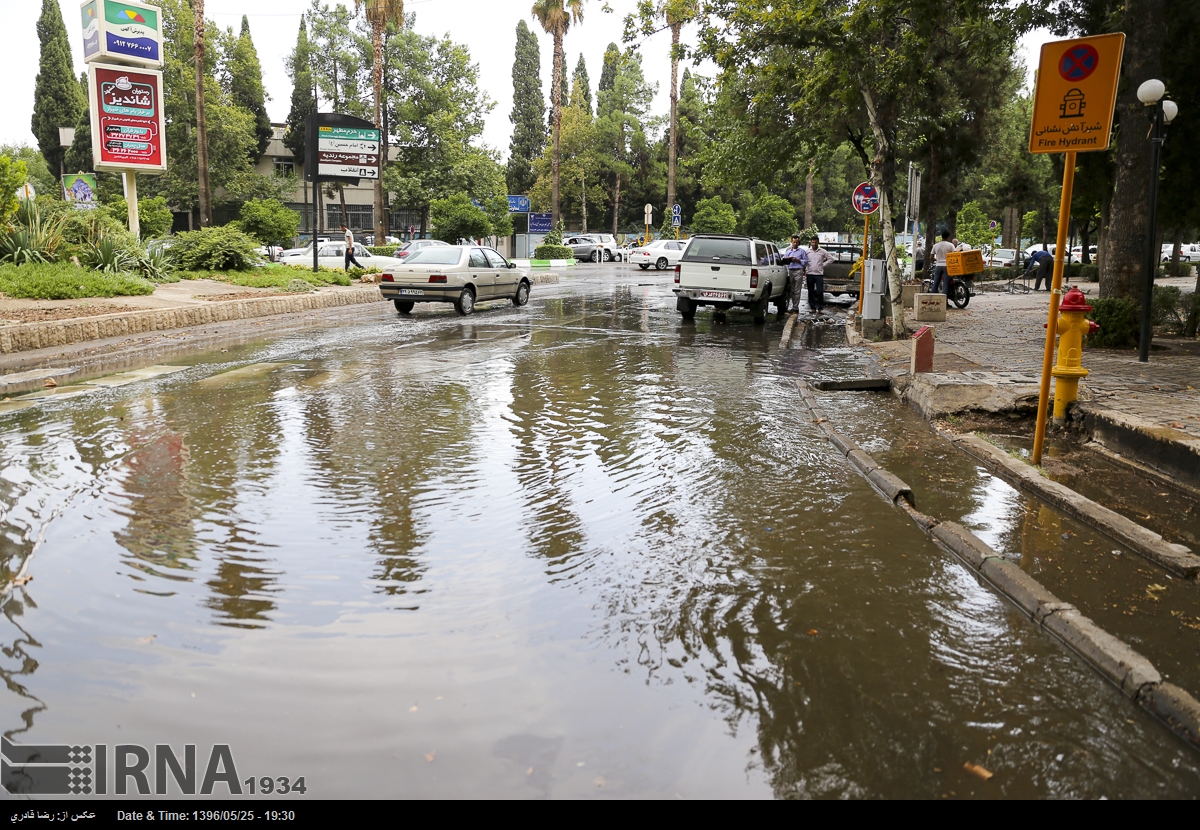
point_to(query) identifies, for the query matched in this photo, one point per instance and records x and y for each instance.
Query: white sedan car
(661, 253)
(459, 274)
(333, 255)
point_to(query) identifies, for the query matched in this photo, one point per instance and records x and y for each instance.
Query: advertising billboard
(127, 118)
(125, 32)
(79, 189)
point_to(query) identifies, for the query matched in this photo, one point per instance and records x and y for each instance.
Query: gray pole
(1152, 252)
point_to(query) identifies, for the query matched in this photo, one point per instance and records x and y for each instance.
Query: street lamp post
(1161, 113)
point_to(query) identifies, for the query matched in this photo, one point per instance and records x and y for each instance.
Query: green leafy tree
(246, 85)
(973, 227)
(154, 217)
(714, 216)
(769, 217)
(528, 112)
(579, 165)
(556, 17)
(304, 95)
(608, 71)
(456, 217)
(57, 99)
(269, 221)
(581, 90)
(36, 170)
(622, 145)
(12, 175)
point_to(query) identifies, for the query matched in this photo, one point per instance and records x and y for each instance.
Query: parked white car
(333, 255)
(730, 272)
(661, 253)
(1187, 253)
(459, 274)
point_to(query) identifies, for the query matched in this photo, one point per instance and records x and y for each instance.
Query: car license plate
(715, 295)
(413, 291)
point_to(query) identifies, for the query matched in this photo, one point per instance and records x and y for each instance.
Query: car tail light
(437, 278)
(677, 269)
(402, 254)
(386, 278)
(754, 278)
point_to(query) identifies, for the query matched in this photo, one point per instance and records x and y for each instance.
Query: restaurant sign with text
(1075, 94)
(127, 118)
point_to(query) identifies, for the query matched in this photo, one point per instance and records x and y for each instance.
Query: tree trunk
(1102, 235)
(808, 196)
(1085, 238)
(616, 204)
(931, 210)
(342, 201)
(883, 174)
(556, 102)
(377, 78)
(673, 138)
(424, 221)
(1175, 252)
(1126, 239)
(201, 123)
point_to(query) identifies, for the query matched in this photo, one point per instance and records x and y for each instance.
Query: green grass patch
(271, 276)
(66, 281)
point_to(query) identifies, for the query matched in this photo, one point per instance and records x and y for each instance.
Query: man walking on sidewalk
(818, 258)
(796, 260)
(940, 274)
(350, 248)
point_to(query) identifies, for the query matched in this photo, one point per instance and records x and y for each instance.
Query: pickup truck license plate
(413, 291)
(715, 295)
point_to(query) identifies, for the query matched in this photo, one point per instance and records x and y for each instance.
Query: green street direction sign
(347, 133)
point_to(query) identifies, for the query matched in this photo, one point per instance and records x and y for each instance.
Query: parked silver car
(608, 243)
(585, 247)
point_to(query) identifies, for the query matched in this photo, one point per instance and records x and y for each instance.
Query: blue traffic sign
(518, 204)
(541, 222)
(676, 210)
(677, 220)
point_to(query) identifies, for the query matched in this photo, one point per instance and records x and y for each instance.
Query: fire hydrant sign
(127, 118)
(348, 151)
(1076, 93)
(126, 32)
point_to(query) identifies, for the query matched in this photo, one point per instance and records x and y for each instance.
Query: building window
(358, 217)
(284, 168)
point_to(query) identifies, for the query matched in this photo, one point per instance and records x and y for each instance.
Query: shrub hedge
(553, 252)
(1118, 321)
(383, 250)
(66, 281)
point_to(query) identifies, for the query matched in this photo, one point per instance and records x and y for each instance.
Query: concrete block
(907, 292)
(845, 445)
(929, 308)
(1049, 608)
(964, 543)
(862, 461)
(1017, 585)
(921, 359)
(891, 485)
(1179, 709)
(1108, 655)
(926, 523)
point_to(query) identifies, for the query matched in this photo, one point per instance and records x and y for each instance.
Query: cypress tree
(608, 73)
(304, 100)
(78, 157)
(246, 85)
(57, 101)
(584, 86)
(529, 108)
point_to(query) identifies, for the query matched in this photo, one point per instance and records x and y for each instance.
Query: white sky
(487, 27)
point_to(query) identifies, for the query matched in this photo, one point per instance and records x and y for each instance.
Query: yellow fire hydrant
(1072, 326)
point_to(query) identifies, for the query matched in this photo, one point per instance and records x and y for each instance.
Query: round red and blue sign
(866, 198)
(1078, 62)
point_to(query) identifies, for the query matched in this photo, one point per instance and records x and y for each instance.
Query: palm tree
(201, 123)
(556, 17)
(380, 13)
(677, 12)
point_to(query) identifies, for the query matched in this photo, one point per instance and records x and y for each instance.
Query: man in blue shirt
(796, 260)
(1043, 261)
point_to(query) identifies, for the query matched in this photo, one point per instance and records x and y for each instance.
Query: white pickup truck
(730, 272)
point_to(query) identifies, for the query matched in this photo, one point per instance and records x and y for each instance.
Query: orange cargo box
(961, 263)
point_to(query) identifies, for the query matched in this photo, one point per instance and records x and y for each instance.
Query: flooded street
(580, 549)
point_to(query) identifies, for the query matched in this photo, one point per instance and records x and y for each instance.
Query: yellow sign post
(1072, 113)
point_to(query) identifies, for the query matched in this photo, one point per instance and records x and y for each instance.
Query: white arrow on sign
(342, 145)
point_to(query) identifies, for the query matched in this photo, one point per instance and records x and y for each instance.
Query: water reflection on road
(573, 550)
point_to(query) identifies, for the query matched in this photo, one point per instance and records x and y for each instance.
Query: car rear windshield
(434, 255)
(731, 251)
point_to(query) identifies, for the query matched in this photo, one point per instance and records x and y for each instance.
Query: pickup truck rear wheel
(465, 303)
(686, 308)
(403, 306)
(761, 307)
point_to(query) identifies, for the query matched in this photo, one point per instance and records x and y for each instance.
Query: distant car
(584, 247)
(1005, 258)
(333, 255)
(415, 245)
(458, 274)
(608, 243)
(387, 240)
(1187, 253)
(661, 253)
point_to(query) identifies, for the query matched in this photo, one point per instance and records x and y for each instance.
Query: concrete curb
(1172, 452)
(1178, 559)
(41, 335)
(1116, 661)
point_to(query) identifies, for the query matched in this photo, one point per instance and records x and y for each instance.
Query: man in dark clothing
(349, 238)
(1043, 261)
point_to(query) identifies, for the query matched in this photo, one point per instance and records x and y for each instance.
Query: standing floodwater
(577, 549)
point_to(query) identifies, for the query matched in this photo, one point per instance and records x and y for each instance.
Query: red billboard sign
(127, 118)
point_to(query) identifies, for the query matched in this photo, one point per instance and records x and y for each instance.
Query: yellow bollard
(1072, 326)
